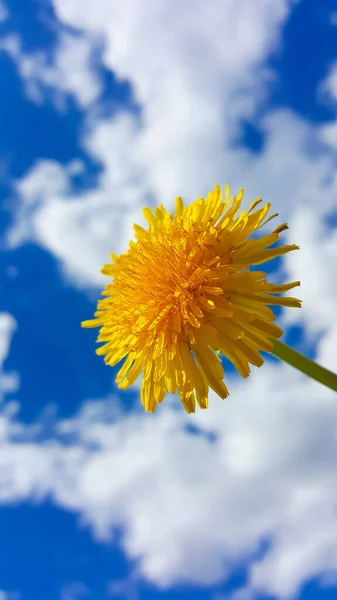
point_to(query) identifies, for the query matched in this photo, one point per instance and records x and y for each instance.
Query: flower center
(167, 281)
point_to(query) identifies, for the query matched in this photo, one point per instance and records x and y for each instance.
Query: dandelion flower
(184, 293)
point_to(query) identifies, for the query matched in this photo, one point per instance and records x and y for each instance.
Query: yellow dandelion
(184, 292)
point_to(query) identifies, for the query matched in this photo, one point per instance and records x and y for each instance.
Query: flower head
(184, 292)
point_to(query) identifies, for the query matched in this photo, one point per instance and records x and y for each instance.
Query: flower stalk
(305, 365)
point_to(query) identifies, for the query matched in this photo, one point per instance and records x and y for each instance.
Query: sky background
(105, 107)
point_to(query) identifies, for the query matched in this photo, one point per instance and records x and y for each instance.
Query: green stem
(305, 365)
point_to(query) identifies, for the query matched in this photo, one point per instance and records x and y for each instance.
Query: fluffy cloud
(82, 230)
(314, 265)
(192, 92)
(194, 71)
(192, 510)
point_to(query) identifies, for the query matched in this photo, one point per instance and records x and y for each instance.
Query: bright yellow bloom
(183, 290)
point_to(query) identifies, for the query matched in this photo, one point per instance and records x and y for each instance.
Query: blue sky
(107, 107)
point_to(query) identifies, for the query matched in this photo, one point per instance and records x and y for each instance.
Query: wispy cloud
(67, 71)
(9, 595)
(76, 590)
(8, 381)
(4, 13)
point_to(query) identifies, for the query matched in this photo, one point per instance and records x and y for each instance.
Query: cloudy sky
(105, 107)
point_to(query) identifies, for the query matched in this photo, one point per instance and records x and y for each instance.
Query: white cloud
(315, 265)
(69, 70)
(7, 328)
(192, 90)
(172, 40)
(206, 72)
(81, 231)
(195, 71)
(193, 510)
(9, 382)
